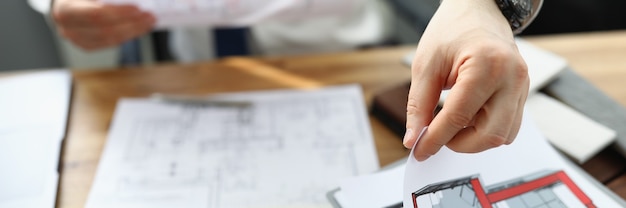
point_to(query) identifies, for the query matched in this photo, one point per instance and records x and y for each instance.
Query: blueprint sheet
(285, 150)
(176, 13)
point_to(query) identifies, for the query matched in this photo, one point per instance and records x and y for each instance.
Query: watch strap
(519, 13)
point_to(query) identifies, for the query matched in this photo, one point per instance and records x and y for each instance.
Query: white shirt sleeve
(42, 6)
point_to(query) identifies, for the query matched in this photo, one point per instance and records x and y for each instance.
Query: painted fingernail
(407, 136)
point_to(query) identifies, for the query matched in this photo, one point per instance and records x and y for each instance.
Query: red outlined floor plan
(549, 189)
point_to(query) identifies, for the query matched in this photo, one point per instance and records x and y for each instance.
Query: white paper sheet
(381, 189)
(33, 115)
(286, 150)
(171, 13)
(528, 154)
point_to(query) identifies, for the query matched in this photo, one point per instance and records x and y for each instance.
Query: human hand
(93, 25)
(469, 47)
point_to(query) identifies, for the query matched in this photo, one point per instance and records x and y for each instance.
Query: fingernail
(421, 158)
(407, 136)
(136, 13)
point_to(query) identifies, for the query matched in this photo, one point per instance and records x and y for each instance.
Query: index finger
(93, 13)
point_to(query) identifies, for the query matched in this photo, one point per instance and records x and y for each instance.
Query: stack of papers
(283, 149)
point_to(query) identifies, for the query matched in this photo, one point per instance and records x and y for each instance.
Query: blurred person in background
(93, 25)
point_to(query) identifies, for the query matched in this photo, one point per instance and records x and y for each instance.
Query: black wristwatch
(519, 13)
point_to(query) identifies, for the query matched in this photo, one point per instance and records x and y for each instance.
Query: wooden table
(595, 56)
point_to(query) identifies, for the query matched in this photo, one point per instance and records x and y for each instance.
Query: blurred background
(28, 40)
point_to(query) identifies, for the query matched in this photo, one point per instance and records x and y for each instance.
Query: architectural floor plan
(286, 149)
(547, 189)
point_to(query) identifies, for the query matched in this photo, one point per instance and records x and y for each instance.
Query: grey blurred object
(412, 18)
(26, 41)
(581, 95)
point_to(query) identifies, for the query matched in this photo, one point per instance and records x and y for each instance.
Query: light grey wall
(412, 18)
(26, 41)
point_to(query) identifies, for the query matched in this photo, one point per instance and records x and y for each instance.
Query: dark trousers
(227, 42)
